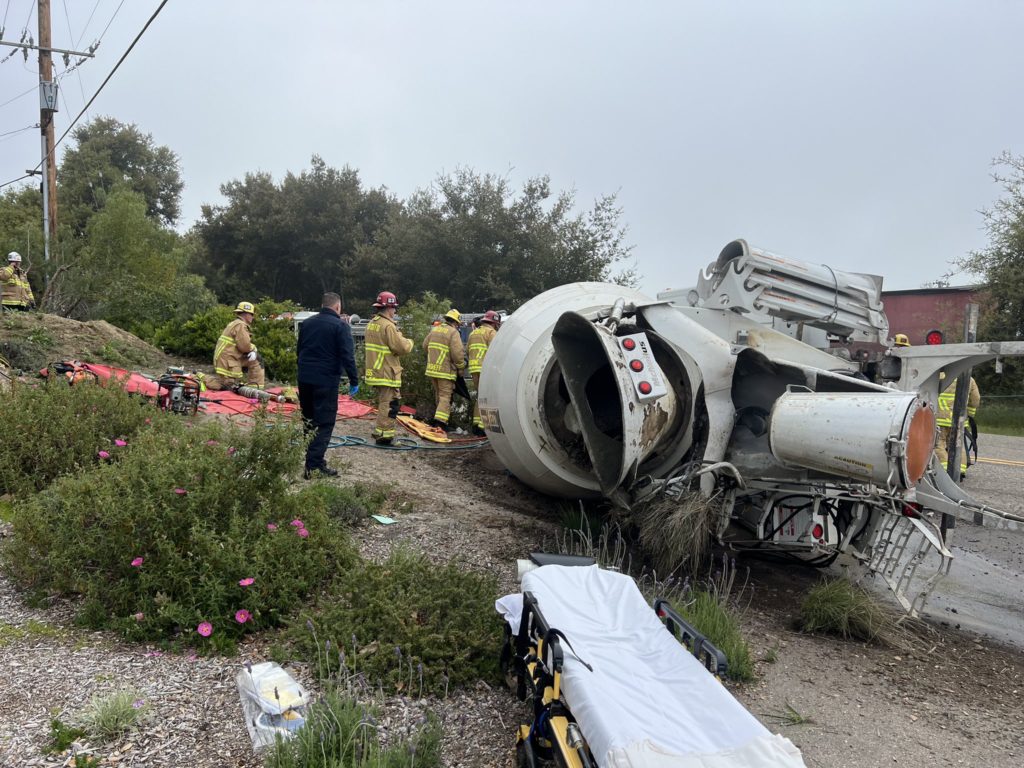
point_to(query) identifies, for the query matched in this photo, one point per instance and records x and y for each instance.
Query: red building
(919, 310)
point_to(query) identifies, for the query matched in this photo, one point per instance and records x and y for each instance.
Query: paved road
(984, 591)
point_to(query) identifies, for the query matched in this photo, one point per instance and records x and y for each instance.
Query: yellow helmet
(246, 306)
(901, 340)
(453, 314)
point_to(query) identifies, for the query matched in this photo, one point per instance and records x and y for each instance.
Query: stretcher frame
(532, 661)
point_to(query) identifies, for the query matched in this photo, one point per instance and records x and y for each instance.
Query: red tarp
(224, 402)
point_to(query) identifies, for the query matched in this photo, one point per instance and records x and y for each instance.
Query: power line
(19, 130)
(71, 33)
(33, 89)
(88, 21)
(8, 8)
(116, 10)
(107, 79)
(98, 90)
(29, 17)
(15, 181)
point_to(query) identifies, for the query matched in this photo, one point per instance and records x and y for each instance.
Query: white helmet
(14, 256)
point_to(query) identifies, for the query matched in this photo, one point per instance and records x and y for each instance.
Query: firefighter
(235, 356)
(384, 345)
(901, 340)
(446, 360)
(479, 340)
(17, 293)
(944, 420)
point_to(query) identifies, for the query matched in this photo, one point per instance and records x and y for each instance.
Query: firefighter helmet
(492, 317)
(386, 299)
(454, 316)
(246, 306)
(14, 256)
(901, 340)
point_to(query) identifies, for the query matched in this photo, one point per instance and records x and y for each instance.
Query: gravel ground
(954, 701)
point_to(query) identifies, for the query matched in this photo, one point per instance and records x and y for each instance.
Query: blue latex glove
(353, 390)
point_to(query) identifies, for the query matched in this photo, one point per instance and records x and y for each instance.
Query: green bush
(52, 429)
(342, 733)
(837, 607)
(411, 624)
(352, 503)
(157, 543)
(196, 338)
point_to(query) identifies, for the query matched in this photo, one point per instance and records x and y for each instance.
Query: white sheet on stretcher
(648, 703)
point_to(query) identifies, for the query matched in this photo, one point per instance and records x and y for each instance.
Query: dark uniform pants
(319, 413)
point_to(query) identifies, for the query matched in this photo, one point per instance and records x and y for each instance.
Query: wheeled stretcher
(612, 686)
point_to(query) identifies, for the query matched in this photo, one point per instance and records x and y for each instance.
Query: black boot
(383, 440)
(478, 431)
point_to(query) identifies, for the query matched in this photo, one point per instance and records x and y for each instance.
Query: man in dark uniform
(325, 352)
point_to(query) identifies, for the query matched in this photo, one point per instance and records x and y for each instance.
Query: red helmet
(386, 299)
(492, 317)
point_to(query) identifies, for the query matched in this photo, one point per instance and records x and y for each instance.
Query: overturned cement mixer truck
(771, 386)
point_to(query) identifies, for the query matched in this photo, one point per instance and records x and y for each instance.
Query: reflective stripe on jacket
(232, 347)
(479, 340)
(16, 290)
(947, 398)
(384, 345)
(445, 355)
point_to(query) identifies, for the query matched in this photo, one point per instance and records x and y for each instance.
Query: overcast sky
(858, 134)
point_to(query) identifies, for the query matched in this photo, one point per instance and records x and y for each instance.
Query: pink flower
(211, 442)
(180, 491)
(120, 443)
(232, 450)
(242, 616)
(246, 581)
(271, 526)
(103, 455)
(303, 533)
(205, 629)
(297, 523)
(140, 616)
(149, 421)
(137, 562)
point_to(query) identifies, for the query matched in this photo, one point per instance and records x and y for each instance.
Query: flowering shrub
(52, 429)
(173, 540)
(416, 626)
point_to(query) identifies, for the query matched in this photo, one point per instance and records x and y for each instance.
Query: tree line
(472, 237)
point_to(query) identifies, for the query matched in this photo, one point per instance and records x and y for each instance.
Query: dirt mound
(33, 340)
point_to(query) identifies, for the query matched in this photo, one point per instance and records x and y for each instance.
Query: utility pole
(47, 107)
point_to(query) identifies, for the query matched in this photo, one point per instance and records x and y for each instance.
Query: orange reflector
(920, 443)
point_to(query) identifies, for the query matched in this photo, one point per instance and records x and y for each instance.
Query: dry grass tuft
(676, 533)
